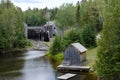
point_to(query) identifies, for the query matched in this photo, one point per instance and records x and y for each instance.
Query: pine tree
(78, 14)
(108, 62)
(57, 46)
(88, 36)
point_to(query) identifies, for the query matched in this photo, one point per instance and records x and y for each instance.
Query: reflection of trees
(10, 64)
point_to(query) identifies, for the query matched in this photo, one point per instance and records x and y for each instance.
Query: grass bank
(55, 60)
(91, 56)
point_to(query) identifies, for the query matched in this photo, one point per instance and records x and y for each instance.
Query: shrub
(88, 36)
(72, 36)
(22, 43)
(57, 45)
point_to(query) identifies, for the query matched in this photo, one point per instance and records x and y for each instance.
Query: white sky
(24, 4)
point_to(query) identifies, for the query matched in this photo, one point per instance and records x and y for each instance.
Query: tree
(90, 15)
(34, 17)
(78, 14)
(72, 36)
(108, 61)
(57, 46)
(65, 16)
(88, 36)
(53, 13)
(11, 26)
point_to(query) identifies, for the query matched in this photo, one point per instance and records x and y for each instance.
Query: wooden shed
(75, 54)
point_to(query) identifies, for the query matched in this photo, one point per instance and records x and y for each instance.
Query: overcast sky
(24, 4)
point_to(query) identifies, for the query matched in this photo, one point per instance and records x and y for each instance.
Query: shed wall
(83, 57)
(72, 56)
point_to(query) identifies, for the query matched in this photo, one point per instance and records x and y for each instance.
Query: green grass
(55, 60)
(91, 56)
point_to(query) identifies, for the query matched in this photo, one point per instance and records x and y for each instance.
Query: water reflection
(38, 68)
(31, 65)
(9, 63)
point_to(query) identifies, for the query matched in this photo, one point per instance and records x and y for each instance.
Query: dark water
(31, 65)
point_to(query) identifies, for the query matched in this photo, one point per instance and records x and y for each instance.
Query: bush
(22, 43)
(3, 43)
(72, 36)
(88, 36)
(57, 45)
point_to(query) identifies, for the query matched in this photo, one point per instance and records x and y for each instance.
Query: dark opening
(32, 34)
(38, 35)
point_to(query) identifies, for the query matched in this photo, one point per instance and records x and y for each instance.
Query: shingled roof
(79, 47)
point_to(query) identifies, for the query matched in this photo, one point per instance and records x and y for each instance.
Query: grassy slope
(91, 56)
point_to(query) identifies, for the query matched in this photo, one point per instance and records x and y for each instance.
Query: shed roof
(79, 47)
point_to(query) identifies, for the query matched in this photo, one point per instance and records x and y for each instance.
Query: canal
(30, 65)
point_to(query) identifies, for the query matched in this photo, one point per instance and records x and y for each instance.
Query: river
(29, 65)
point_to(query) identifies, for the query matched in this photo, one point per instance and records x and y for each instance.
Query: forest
(11, 27)
(78, 23)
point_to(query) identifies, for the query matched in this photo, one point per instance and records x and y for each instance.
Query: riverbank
(12, 50)
(15, 50)
(34, 45)
(56, 59)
